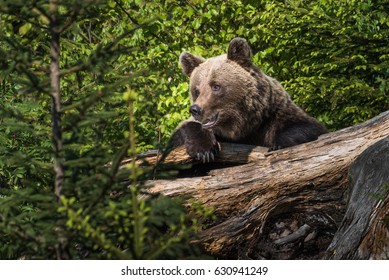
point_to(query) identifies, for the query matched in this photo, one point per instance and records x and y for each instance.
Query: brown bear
(234, 101)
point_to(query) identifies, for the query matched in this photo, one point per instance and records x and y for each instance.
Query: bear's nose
(195, 110)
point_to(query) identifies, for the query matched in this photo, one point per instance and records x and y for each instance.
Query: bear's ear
(240, 52)
(189, 62)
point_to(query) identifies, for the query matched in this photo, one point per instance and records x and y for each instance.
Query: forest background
(82, 81)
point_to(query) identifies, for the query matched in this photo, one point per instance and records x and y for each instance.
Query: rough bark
(285, 204)
(57, 141)
(364, 232)
(56, 98)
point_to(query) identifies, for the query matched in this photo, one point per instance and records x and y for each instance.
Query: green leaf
(25, 28)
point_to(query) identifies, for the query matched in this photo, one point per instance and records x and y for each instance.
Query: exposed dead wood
(364, 232)
(299, 190)
(230, 153)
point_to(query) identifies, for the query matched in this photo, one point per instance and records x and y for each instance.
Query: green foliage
(98, 216)
(129, 228)
(331, 56)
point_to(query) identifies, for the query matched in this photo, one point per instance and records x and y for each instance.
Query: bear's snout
(195, 110)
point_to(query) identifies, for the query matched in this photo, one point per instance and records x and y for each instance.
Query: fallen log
(364, 231)
(299, 192)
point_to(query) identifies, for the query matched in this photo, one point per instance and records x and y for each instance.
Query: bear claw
(206, 157)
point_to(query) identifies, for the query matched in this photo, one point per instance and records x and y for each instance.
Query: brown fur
(234, 101)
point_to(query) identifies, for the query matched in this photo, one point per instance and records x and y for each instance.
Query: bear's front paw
(204, 153)
(200, 143)
(202, 146)
(275, 148)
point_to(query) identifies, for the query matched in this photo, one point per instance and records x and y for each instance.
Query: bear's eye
(215, 87)
(196, 93)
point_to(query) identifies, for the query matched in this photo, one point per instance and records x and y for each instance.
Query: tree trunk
(285, 204)
(364, 231)
(62, 246)
(56, 98)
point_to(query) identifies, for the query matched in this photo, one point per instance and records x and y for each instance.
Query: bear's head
(224, 90)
